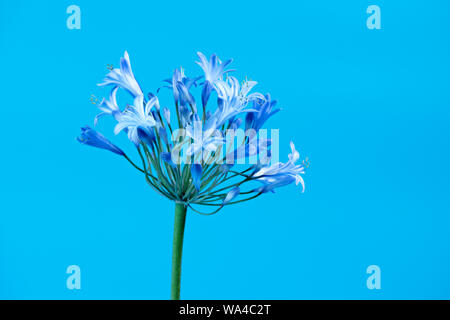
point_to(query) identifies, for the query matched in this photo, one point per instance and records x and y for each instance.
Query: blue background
(370, 108)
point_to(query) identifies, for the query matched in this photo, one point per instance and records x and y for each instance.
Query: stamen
(306, 162)
(93, 99)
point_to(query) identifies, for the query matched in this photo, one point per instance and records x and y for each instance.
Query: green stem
(178, 233)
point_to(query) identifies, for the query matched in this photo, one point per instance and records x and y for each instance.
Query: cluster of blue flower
(199, 181)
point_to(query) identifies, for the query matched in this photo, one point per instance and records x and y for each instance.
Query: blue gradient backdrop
(370, 108)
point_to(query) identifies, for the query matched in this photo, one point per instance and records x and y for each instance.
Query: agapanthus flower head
(209, 160)
(194, 163)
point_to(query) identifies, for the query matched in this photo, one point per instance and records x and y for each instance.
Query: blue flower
(185, 97)
(123, 77)
(196, 172)
(206, 92)
(255, 120)
(281, 174)
(137, 116)
(92, 138)
(108, 107)
(146, 136)
(185, 115)
(166, 114)
(150, 97)
(185, 81)
(163, 134)
(179, 76)
(156, 115)
(233, 99)
(167, 157)
(233, 193)
(214, 70)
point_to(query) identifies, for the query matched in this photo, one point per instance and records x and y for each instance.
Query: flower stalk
(177, 250)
